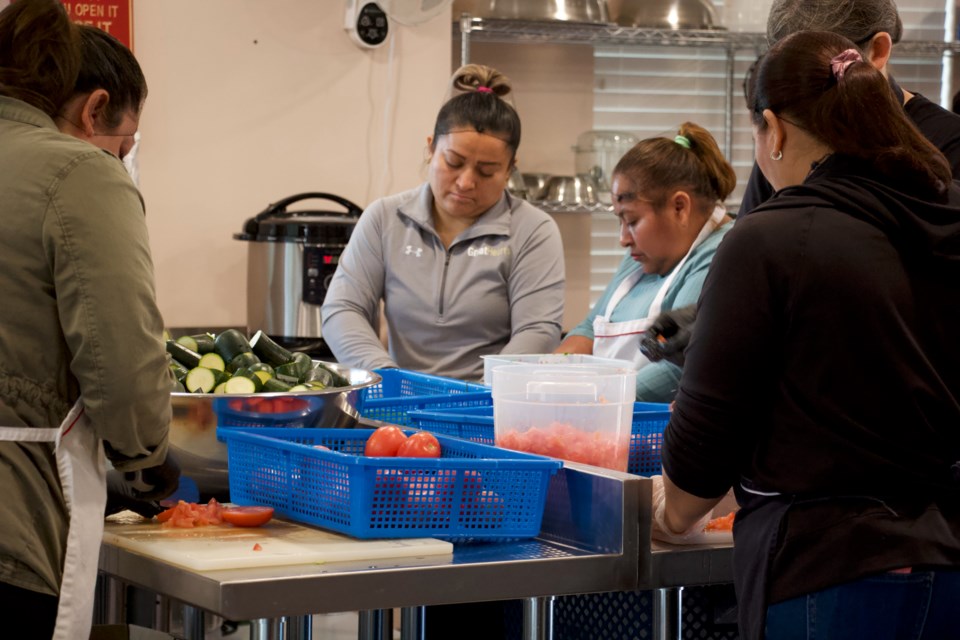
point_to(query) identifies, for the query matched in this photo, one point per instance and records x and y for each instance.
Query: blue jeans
(924, 605)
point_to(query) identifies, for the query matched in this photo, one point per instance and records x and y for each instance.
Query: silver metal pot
(291, 259)
(193, 429)
(564, 10)
(663, 14)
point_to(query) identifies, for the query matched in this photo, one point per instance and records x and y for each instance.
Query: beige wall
(554, 97)
(252, 101)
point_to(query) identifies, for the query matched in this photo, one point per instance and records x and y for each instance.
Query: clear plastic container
(598, 152)
(499, 360)
(576, 412)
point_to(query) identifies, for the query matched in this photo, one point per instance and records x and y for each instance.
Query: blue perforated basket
(471, 492)
(476, 424)
(401, 391)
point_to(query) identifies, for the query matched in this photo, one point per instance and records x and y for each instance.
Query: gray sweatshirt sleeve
(352, 305)
(537, 290)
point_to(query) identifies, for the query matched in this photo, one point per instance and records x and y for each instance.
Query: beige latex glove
(659, 529)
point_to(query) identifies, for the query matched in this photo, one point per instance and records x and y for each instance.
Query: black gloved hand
(156, 483)
(122, 496)
(669, 335)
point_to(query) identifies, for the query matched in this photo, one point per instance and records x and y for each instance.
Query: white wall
(252, 101)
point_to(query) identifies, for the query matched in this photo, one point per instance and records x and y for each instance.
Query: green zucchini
(244, 372)
(179, 371)
(269, 351)
(201, 380)
(299, 387)
(230, 343)
(261, 366)
(321, 375)
(188, 342)
(177, 386)
(338, 379)
(276, 385)
(221, 388)
(240, 384)
(303, 362)
(289, 372)
(204, 342)
(242, 360)
(212, 361)
(187, 357)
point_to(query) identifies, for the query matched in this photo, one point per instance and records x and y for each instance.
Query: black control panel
(319, 264)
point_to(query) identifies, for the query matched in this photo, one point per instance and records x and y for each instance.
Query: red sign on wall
(113, 16)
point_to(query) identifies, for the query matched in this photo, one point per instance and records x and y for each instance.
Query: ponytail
(691, 161)
(39, 54)
(812, 79)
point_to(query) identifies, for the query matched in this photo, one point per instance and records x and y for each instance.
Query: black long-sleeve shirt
(826, 363)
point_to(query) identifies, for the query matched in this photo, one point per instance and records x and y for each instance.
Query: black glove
(156, 483)
(669, 335)
(122, 496)
(141, 491)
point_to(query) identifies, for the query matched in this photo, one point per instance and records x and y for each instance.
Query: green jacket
(78, 316)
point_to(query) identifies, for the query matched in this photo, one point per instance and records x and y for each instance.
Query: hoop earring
(776, 155)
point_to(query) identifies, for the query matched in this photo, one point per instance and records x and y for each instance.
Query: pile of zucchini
(229, 363)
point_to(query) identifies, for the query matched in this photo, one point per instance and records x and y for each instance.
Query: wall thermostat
(366, 23)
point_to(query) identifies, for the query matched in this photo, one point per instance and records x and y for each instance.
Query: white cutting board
(281, 543)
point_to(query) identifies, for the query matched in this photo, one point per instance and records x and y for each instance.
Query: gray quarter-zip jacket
(499, 288)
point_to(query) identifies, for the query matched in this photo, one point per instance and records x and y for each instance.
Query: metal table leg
(266, 629)
(667, 613)
(375, 624)
(538, 618)
(193, 623)
(412, 623)
(110, 601)
(297, 627)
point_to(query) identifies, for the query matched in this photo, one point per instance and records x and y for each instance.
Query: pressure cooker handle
(280, 208)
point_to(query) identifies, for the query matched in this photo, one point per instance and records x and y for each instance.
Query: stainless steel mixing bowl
(193, 430)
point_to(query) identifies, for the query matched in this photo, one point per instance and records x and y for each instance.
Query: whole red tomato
(384, 442)
(422, 444)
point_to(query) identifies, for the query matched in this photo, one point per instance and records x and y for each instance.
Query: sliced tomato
(247, 516)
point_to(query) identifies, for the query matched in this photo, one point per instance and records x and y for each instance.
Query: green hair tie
(683, 141)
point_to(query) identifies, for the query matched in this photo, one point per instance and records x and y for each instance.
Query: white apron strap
(621, 340)
(81, 465)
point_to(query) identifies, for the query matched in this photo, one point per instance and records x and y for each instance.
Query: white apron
(82, 467)
(621, 340)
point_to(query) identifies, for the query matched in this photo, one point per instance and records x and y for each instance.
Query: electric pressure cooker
(291, 259)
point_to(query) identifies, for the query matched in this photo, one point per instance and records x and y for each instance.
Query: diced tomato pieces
(186, 515)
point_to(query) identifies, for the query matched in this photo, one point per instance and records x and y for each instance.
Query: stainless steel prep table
(590, 541)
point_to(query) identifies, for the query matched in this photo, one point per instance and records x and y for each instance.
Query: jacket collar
(20, 111)
(494, 222)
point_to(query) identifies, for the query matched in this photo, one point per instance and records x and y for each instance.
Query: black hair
(107, 64)
(480, 106)
(39, 54)
(855, 114)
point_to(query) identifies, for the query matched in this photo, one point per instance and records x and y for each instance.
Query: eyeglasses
(129, 134)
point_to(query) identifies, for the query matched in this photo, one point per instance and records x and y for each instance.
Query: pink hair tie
(484, 89)
(843, 60)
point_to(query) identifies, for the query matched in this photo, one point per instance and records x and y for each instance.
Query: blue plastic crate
(476, 424)
(401, 391)
(472, 492)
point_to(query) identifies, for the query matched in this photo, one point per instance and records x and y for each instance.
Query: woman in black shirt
(823, 381)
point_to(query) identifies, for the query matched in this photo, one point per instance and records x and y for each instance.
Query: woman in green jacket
(80, 332)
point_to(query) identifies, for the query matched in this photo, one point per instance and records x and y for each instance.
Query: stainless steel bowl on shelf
(588, 11)
(196, 416)
(571, 191)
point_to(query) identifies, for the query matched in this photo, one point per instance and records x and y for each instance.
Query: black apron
(756, 531)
